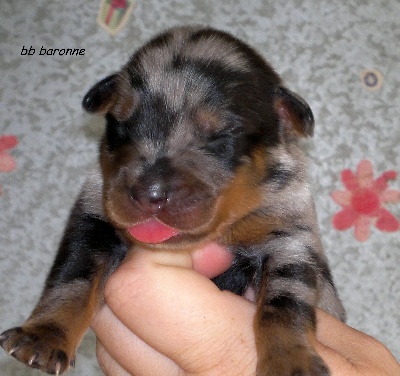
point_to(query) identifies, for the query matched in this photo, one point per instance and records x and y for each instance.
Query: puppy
(201, 144)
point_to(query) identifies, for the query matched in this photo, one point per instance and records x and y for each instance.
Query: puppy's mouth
(152, 231)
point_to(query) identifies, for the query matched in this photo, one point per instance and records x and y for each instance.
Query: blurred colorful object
(363, 201)
(371, 79)
(7, 162)
(114, 14)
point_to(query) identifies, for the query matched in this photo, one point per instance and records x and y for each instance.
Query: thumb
(182, 314)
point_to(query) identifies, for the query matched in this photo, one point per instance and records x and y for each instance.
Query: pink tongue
(152, 231)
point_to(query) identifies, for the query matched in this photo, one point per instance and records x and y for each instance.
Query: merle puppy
(201, 144)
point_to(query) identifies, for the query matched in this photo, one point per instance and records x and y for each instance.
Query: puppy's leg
(285, 321)
(49, 338)
(90, 250)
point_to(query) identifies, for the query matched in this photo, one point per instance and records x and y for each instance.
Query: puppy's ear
(101, 96)
(113, 95)
(295, 115)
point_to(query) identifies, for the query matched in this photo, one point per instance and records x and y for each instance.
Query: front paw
(299, 361)
(38, 347)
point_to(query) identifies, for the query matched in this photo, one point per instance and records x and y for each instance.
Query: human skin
(164, 317)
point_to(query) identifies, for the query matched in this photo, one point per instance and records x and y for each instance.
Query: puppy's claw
(12, 351)
(37, 348)
(57, 368)
(33, 359)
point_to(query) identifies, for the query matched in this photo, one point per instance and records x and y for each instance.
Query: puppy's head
(191, 122)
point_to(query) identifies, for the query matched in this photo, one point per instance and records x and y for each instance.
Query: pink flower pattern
(7, 162)
(363, 202)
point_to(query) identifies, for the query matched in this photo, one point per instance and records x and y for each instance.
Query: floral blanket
(342, 57)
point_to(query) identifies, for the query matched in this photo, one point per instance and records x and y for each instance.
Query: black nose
(157, 194)
(150, 198)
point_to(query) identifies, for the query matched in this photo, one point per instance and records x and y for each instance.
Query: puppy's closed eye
(222, 145)
(117, 134)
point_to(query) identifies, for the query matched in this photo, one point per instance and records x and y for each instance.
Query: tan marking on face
(242, 196)
(208, 120)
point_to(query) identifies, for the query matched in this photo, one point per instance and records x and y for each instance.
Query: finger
(352, 351)
(337, 335)
(199, 323)
(118, 349)
(108, 365)
(211, 260)
(337, 363)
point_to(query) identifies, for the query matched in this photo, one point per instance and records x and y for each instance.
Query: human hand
(349, 352)
(163, 317)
